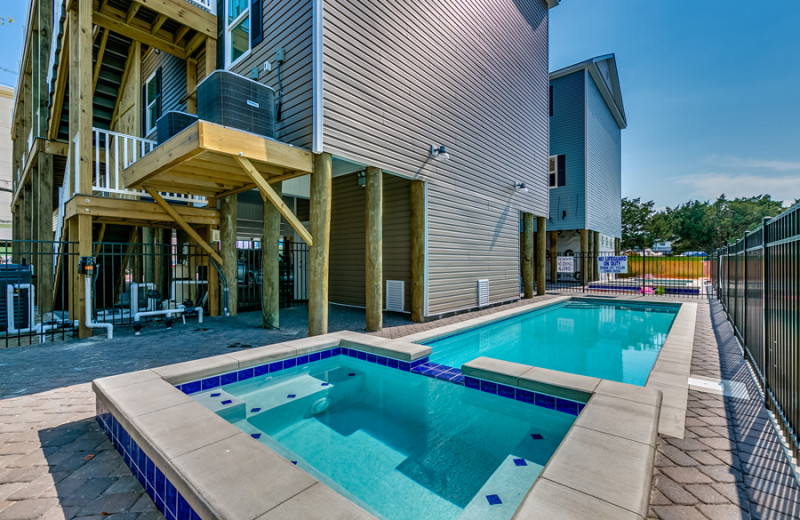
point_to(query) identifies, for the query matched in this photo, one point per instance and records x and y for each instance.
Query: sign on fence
(612, 264)
(565, 264)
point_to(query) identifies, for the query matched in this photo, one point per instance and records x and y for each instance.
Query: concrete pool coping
(602, 467)
(670, 373)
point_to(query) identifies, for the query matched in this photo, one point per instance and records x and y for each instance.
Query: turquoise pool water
(401, 445)
(600, 339)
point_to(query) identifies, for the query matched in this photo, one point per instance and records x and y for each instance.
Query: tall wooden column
(320, 250)
(27, 222)
(596, 249)
(44, 203)
(270, 263)
(227, 238)
(527, 255)
(541, 255)
(554, 256)
(149, 254)
(213, 275)
(616, 246)
(585, 256)
(80, 126)
(418, 251)
(374, 249)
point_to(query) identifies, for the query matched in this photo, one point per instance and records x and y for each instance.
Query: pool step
(503, 492)
(222, 403)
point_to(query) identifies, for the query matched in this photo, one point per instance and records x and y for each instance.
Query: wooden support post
(585, 256)
(374, 249)
(616, 246)
(592, 257)
(418, 250)
(596, 241)
(270, 263)
(80, 231)
(554, 256)
(229, 261)
(321, 185)
(161, 267)
(527, 255)
(149, 255)
(211, 55)
(541, 255)
(44, 195)
(213, 279)
(191, 85)
(28, 219)
(80, 99)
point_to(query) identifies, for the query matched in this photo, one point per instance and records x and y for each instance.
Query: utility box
(231, 100)
(20, 297)
(171, 124)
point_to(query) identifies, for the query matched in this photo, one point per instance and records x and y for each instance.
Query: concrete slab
(318, 502)
(549, 500)
(197, 369)
(490, 369)
(622, 418)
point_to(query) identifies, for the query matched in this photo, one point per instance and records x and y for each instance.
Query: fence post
(744, 294)
(764, 309)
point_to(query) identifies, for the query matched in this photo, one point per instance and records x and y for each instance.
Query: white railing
(113, 152)
(208, 5)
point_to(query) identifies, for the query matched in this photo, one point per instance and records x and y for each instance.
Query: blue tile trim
(165, 496)
(193, 387)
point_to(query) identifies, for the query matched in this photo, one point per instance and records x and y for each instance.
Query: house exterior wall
(604, 165)
(568, 138)
(173, 83)
(470, 75)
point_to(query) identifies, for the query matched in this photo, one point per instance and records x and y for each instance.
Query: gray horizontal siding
(287, 25)
(567, 137)
(348, 238)
(173, 82)
(400, 75)
(603, 166)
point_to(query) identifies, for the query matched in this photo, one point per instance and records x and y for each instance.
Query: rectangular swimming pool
(609, 340)
(400, 445)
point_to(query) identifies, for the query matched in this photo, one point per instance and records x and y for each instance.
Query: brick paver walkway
(55, 463)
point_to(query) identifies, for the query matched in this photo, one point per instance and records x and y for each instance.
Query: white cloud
(712, 184)
(731, 161)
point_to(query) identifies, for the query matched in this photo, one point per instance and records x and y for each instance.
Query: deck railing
(757, 280)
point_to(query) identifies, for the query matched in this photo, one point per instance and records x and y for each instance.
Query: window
(551, 100)
(558, 171)
(152, 101)
(237, 34)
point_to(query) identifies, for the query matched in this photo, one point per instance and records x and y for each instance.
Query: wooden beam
(184, 225)
(99, 62)
(319, 254)
(194, 44)
(174, 151)
(135, 33)
(211, 55)
(269, 195)
(418, 251)
(185, 13)
(157, 23)
(126, 73)
(227, 246)
(100, 238)
(585, 261)
(541, 255)
(62, 75)
(374, 250)
(191, 85)
(132, 10)
(80, 99)
(270, 264)
(528, 276)
(110, 209)
(55, 148)
(180, 33)
(44, 207)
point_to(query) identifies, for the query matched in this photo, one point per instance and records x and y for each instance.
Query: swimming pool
(608, 340)
(400, 445)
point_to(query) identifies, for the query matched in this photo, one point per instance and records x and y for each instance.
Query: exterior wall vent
(395, 295)
(483, 293)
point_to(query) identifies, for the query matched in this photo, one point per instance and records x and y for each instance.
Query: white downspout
(88, 298)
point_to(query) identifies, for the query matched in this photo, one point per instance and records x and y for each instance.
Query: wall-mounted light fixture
(520, 187)
(439, 152)
(362, 179)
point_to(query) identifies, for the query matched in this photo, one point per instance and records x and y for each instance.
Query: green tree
(636, 217)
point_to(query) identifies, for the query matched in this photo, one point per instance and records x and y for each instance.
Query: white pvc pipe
(169, 312)
(90, 323)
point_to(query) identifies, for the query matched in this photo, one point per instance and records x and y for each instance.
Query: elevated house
(391, 137)
(587, 117)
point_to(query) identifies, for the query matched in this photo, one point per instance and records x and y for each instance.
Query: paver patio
(56, 463)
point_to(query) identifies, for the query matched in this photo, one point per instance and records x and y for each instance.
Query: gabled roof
(603, 70)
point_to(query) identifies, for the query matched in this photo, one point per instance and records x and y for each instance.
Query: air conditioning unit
(483, 293)
(395, 295)
(171, 124)
(232, 100)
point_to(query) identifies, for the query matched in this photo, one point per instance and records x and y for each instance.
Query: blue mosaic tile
(325, 354)
(525, 396)
(493, 500)
(392, 363)
(488, 386)
(289, 363)
(505, 391)
(291, 396)
(262, 370)
(567, 406)
(520, 462)
(418, 369)
(404, 366)
(227, 402)
(302, 360)
(171, 498)
(226, 379)
(471, 382)
(325, 384)
(210, 382)
(215, 394)
(255, 410)
(351, 374)
(191, 388)
(294, 462)
(313, 358)
(361, 355)
(255, 435)
(372, 358)
(275, 367)
(536, 436)
(244, 375)
(459, 379)
(581, 407)
(184, 510)
(546, 401)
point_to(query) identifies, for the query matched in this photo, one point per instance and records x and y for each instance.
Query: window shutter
(551, 100)
(256, 22)
(561, 170)
(221, 16)
(159, 95)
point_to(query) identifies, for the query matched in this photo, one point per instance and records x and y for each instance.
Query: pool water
(608, 340)
(401, 445)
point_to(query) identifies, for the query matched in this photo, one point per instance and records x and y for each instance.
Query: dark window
(558, 171)
(551, 100)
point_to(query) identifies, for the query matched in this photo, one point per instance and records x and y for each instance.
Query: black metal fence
(634, 274)
(293, 272)
(758, 283)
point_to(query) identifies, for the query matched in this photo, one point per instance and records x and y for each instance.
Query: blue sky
(711, 90)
